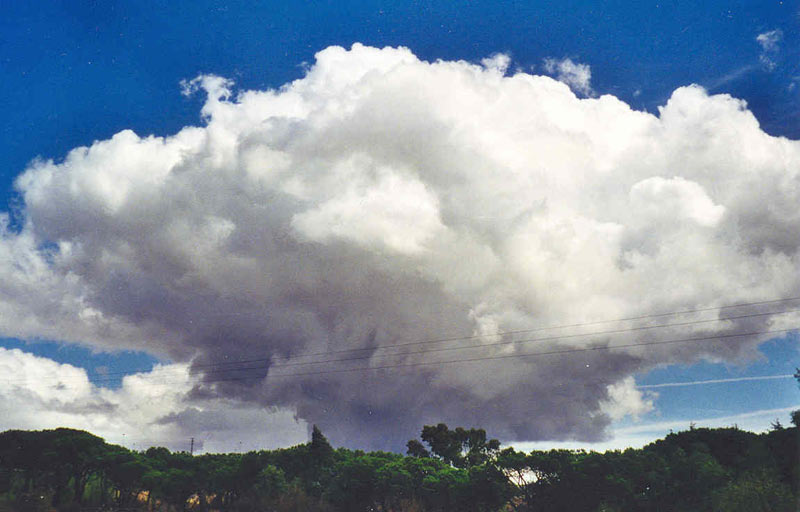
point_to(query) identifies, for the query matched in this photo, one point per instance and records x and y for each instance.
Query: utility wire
(509, 356)
(716, 337)
(266, 364)
(221, 367)
(521, 331)
(506, 333)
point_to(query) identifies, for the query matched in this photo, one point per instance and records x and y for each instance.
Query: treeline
(461, 470)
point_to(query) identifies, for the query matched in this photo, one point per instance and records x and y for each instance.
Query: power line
(222, 369)
(485, 345)
(524, 331)
(501, 357)
(505, 343)
(110, 375)
(510, 356)
(441, 340)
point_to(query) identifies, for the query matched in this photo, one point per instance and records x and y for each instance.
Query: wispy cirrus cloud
(714, 381)
(770, 46)
(769, 40)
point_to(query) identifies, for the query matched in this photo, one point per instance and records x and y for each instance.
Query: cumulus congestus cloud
(382, 200)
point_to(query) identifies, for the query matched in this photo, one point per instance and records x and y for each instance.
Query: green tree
(321, 449)
(759, 491)
(125, 471)
(355, 484)
(271, 482)
(416, 449)
(460, 447)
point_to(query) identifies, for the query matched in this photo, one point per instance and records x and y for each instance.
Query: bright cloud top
(382, 199)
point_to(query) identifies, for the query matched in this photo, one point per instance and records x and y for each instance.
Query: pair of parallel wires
(264, 368)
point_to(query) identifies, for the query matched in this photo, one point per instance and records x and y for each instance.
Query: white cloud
(382, 199)
(658, 199)
(638, 436)
(404, 215)
(768, 63)
(149, 409)
(625, 399)
(755, 421)
(769, 46)
(714, 381)
(769, 40)
(498, 62)
(578, 76)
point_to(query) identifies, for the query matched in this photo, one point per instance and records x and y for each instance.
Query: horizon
(523, 448)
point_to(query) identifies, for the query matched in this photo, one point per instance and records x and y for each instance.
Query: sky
(196, 196)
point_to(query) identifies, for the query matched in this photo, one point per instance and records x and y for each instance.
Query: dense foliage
(450, 470)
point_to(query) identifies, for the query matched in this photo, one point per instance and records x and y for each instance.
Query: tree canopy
(457, 469)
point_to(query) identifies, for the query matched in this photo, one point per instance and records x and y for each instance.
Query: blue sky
(75, 72)
(78, 72)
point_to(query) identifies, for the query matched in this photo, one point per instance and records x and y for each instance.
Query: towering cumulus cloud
(383, 200)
